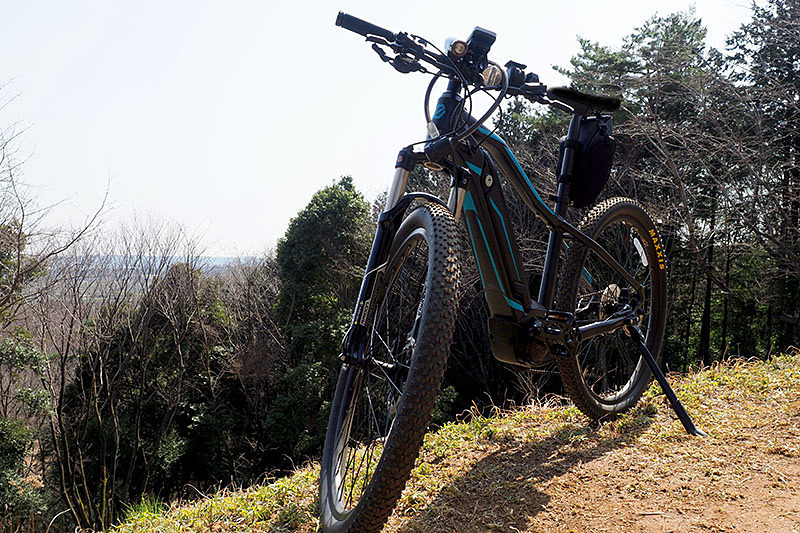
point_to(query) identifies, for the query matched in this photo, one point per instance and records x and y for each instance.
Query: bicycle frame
(485, 206)
(477, 194)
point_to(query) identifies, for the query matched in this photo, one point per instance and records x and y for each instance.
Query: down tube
(493, 240)
(512, 170)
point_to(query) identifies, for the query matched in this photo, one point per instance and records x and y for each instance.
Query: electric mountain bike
(601, 319)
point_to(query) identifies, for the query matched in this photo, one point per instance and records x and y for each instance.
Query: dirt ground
(641, 474)
(544, 468)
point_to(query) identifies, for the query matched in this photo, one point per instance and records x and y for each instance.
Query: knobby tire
(396, 393)
(607, 375)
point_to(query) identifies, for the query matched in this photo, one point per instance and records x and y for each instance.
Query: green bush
(20, 495)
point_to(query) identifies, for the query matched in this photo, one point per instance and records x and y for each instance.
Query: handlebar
(362, 27)
(519, 84)
(410, 52)
(464, 69)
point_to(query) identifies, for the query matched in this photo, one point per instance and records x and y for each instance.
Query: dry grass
(544, 468)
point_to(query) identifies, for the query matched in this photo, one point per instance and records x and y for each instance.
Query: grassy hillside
(544, 468)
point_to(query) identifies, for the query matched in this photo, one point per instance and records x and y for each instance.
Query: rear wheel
(383, 403)
(607, 374)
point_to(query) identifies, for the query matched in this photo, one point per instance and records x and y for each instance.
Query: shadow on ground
(500, 491)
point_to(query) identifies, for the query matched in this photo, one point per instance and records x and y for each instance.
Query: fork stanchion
(674, 402)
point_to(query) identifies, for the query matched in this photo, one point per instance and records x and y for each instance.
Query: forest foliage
(132, 371)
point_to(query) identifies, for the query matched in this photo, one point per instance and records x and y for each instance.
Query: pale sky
(227, 116)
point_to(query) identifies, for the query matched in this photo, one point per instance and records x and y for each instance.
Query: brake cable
(499, 100)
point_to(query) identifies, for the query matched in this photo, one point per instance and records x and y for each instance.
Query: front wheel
(384, 401)
(607, 375)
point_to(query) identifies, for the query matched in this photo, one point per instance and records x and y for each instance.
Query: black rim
(610, 365)
(373, 395)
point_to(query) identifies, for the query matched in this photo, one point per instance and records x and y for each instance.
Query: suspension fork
(397, 201)
(355, 340)
(458, 188)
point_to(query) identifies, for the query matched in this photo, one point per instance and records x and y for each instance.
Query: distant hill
(214, 264)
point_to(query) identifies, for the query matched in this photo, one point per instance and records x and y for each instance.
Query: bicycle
(602, 320)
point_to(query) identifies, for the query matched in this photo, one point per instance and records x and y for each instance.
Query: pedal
(562, 316)
(557, 330)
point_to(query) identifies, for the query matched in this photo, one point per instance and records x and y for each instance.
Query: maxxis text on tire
(607, 375)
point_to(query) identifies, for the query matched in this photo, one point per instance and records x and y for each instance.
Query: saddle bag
(594, 154)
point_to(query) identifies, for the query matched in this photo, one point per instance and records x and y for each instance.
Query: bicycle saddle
(584, 102)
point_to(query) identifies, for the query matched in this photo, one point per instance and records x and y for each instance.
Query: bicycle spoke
(354, 481)
(400, 392)
(393, 323)
(350, 458)
(372, 412)
(380, 338)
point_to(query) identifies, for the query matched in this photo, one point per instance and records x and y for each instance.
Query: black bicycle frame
(477, 194)
(484, 199)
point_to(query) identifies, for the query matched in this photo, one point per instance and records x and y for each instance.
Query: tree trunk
(688, 332)
(705, 322)
(724, 347)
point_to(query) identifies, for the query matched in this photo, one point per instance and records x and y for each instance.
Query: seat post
(567, 164)
(555, 242)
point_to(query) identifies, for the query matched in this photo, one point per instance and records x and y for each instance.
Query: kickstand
(686, 420)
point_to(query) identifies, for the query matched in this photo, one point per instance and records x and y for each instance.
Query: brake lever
(535, 92)
(381, 53)
(400, 62)
(406, 45)
(554, 103)
(378, 40)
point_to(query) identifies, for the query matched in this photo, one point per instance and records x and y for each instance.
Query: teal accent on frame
(490, 134)
(475, 250)
(469, 205)
(508, 239)
(513, 304)
(516, 163)
(491, 258)
(476, 169)
(440, 111)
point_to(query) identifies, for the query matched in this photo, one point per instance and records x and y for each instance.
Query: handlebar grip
(362, 27)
